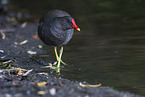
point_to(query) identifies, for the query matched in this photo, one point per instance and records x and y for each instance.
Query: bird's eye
(69, 21)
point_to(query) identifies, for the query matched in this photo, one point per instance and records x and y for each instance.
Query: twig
(27, 72)
(3, 35)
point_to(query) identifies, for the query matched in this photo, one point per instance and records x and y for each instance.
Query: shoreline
(15, 47)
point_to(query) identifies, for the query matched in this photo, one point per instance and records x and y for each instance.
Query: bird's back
(52, 14)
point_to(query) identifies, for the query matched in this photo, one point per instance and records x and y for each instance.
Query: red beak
(75, 26)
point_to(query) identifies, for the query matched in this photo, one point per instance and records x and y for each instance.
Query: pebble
(52, 91)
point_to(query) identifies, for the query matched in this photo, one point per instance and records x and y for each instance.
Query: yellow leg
(59, 60)
(56, 54)
(55, 50)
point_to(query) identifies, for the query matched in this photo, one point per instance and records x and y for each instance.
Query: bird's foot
(50, 65)
(60, 62)
(53, 66)
(63, 62)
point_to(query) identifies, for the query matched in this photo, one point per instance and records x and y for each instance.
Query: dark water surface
(110, 49)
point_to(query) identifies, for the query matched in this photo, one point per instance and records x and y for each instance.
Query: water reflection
(110, 48)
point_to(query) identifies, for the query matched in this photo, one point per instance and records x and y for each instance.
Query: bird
(56, 28)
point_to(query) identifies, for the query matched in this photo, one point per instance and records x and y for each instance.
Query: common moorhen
(55, 29)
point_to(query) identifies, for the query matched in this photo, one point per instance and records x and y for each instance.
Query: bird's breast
(58, 33)
(68, 36)
(62, 37)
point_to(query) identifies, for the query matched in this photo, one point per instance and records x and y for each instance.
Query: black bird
(55, 29)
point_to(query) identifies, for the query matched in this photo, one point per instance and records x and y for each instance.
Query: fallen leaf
(43, 73)
(24, 24)
(41, 84)
(31, 52)
(42, 92)
(7, 61)
(23, 42)
(16, 43)
(36, 37)
(83, 85)
(2, 51)
(1, 70)
(3, 35)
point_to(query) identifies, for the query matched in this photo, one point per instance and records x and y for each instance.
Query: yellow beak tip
(78, 29)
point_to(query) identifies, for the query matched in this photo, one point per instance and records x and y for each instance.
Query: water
(110, 49)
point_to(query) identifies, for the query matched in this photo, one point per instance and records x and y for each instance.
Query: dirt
(22, 75)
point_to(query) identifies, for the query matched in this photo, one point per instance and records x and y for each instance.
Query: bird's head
(71, 21)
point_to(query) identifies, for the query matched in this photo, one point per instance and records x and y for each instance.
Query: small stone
(52, 91)
(40, 46)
